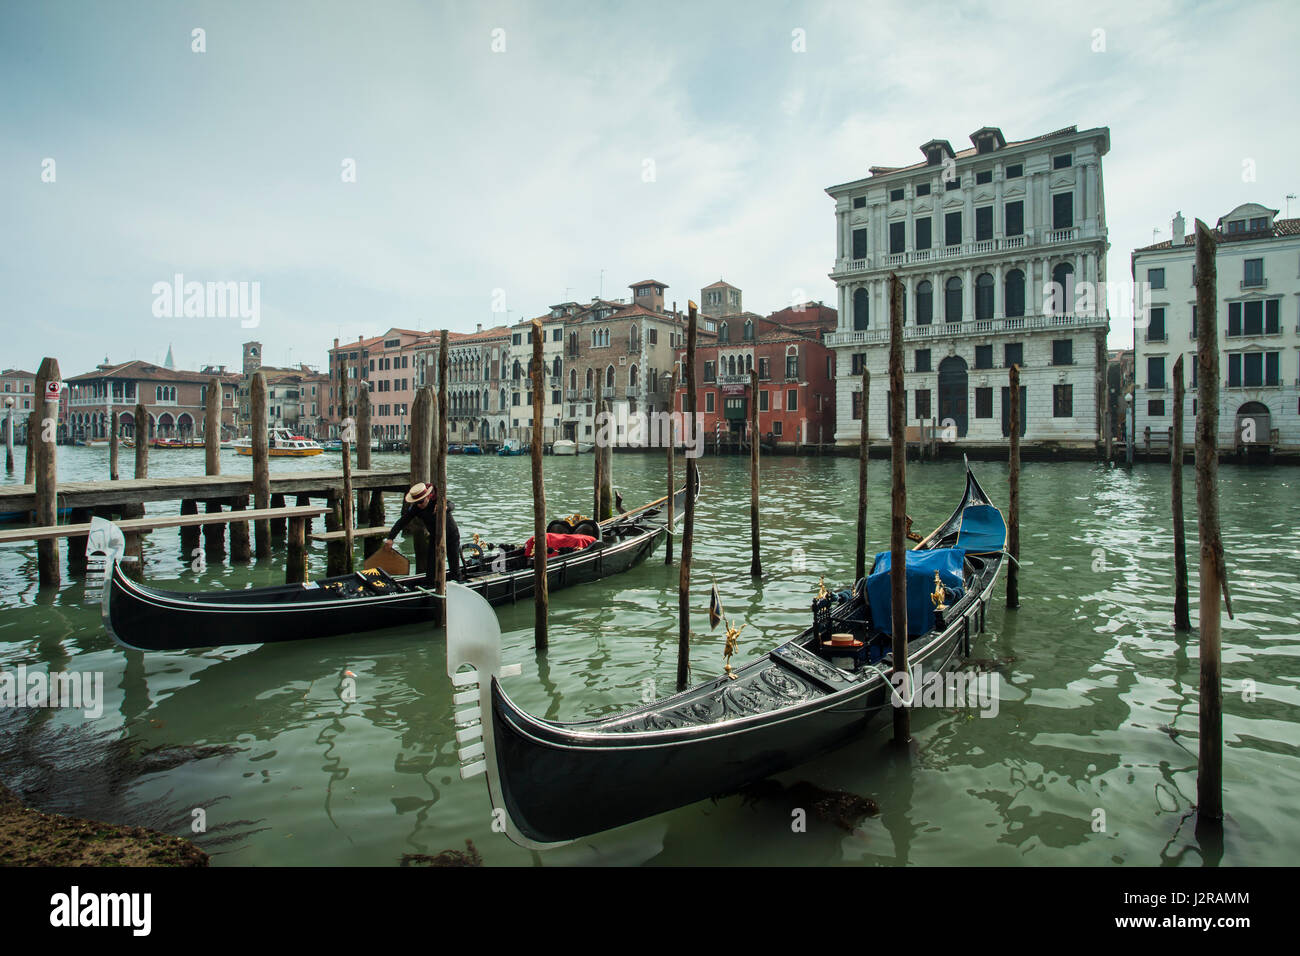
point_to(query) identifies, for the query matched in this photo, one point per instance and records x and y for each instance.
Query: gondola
(560, 781)
(154, 619)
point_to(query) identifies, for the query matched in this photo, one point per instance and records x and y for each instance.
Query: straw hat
(419, 492)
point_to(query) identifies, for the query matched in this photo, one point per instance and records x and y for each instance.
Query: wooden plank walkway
(129, 491)
(155, 522)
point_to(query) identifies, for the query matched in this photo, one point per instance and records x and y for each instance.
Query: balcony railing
(945, 330)
(571, 394)
(978, 247)
(740, 378)
(607, 391)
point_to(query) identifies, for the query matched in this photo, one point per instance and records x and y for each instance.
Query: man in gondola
(422, 504)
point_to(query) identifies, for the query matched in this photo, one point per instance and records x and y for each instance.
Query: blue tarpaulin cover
(982, 530)
(921, 566)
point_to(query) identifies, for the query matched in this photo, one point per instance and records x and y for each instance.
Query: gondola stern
(474, 668)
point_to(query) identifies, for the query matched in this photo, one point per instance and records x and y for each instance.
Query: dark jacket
(428, 515)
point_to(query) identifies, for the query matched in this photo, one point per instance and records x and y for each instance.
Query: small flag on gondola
(715, 608)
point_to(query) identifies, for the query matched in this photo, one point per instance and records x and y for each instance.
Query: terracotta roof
(147, 371)
(462, 338)
(648, 282)
(1281, 229)
(720, 285)
(18, 373)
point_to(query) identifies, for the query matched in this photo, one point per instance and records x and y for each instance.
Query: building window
(1156, 408)
(1062, 401)
(749, 332)
(984, 357)
(1014, 297)
(1254, 272)
(861, 310)
(1156, 372)
(1063, 211)
(923, 233)
(792, 400)
(1156, 329)
(984, 177)
(1013, 353)
(708, 401)
(710, 372)
(859, 202)
(924, 303)
(1062, 289)
(952, 229)
(922, 360)
(923, 189)
(897, 237)
(984, 402)
(983, 223)
(856, 361)
(764, 369)
(1016, 171)
(762, 400)
(791, 363)
(1156, 278)
(776, 428)
(896, 195)
(859, 243)
(952, 300)
(724, 334)
(984, 296)
(1014, 216)
(1063, 351)
(953, 184)
(1060, 162)
(923, 403)
(856, 414)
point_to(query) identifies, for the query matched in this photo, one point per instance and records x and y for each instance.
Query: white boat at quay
(566, 447)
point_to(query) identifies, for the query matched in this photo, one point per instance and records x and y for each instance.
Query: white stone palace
(977, 236)
(1258, 266)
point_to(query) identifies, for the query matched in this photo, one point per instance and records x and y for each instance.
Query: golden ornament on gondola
(822, 593)
(732, 641)
(940, 593)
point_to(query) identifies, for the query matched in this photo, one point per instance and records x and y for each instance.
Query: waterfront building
(296, 396)
(475, 392)
(1258, 269)
(517, 387)
(1119, 383)
(796, 371)
(979, 237)
(174, 400)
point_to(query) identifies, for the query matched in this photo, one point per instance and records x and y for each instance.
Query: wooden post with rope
(1182, 612)
(898, 514)
(755, 560)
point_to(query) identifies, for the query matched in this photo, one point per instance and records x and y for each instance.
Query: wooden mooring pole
(258, 437)
(672, 442)
(45, 465)
(214, 535)
(1013, 505)
(598, 462)
(134, 539)
(348, 543)
(864, 454)
(690, 431)
(1182, 613)
(755, 560)
(541, 594)
(440, 468)
(370, 544)
(421, 429)
(898, 512)
(114, 425)
(9, 434)
(1214, 579)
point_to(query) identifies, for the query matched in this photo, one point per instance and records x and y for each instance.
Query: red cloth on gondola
(556, 541)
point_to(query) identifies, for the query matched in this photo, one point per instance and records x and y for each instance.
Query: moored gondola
(154, 619)
(559, 781)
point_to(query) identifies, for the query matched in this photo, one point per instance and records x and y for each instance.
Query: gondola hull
(153, 619)
(559, 781)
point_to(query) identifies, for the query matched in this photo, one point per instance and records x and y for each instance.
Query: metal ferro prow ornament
(729, 647)
(939, 594)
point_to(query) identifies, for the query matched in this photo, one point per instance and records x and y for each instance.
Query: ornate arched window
(952, 300)
(925, 303)
(1013, 297)
(1062, 288)
(984, 296)
(861, 310)
(724, 334)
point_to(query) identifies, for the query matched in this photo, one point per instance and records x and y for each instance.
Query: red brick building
(796, 385)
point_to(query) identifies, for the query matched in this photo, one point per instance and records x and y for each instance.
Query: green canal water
(1090, 759)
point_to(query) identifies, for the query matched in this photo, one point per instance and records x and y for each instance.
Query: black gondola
(561, 781)
(154, 619)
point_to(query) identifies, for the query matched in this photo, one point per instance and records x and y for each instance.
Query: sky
(509, 156)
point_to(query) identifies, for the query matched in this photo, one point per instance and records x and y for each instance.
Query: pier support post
(134, 549)
(45, 464)
(278, 527)
(1214, 581)
(9, 434)
(258, 438)
(688, 523)
(212, 427)
(371, 544)
(864, 455)
(304, 501)
(1182, 612)
(295, 570)
(240, 548)
(898, 514)
(214, 535)
(1013, 507)
(190, 533)
(335, 560)
(541, 593)
(77, 545)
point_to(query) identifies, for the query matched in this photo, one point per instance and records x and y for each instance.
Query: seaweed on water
(466, 857)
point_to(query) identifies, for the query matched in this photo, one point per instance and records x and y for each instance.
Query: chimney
(480, 326)
(1179, 228)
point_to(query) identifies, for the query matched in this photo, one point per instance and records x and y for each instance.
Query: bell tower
(252, 357)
